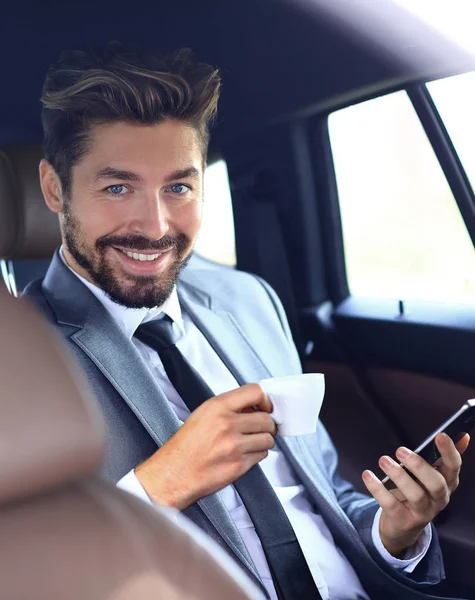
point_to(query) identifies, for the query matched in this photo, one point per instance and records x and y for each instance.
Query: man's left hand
(413, 504)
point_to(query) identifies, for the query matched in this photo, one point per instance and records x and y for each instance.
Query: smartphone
(455, 427)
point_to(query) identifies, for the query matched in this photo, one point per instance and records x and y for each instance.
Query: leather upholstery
(67, 534)
(28, 229)
(50, 430)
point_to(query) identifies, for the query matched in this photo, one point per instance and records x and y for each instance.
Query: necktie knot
(159, 332)
(160, 336)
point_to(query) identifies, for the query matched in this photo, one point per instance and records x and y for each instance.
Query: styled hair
(87, 88)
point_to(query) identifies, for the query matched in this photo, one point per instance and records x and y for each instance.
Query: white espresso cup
(296, 401)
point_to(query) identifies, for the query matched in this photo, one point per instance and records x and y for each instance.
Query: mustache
(139, 242)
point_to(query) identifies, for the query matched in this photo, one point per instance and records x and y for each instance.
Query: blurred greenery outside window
(216, 240)
(404, 236)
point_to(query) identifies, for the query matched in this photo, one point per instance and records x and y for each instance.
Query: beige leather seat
(66, 535)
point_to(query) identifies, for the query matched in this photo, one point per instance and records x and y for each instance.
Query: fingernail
(387, 462)
(368, 475)
(403, 452)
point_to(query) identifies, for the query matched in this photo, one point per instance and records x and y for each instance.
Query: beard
(131, 291)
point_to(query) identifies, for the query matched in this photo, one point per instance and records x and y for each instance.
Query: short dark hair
(86, 88)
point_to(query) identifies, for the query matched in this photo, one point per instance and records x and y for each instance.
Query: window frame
(327, 191)
(446, 154)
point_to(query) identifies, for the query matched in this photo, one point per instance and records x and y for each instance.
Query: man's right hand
(219, 442)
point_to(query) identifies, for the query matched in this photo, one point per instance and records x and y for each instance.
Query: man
(125, 140)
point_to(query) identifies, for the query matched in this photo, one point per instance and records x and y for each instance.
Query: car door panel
(371, 407)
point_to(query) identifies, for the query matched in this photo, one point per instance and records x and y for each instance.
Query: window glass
(216, 240)
(455, 101)
(403, 233)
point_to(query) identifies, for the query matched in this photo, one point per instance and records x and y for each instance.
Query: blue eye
(117, 189)
(179, 188)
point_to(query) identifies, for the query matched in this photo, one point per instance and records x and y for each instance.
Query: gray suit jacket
(242, 318)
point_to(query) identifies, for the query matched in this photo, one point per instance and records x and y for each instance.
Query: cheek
(103, 219)
(187, 219)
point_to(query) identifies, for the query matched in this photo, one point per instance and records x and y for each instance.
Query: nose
(152, 217)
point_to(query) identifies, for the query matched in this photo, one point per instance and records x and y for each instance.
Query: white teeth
(142, 257)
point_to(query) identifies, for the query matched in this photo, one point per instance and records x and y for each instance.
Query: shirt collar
(129, 319)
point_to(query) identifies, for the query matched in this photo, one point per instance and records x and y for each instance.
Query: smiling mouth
(140, 256)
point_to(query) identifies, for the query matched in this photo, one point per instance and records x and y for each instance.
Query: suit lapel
(318, 484)
(100, 338)
(225, 336)
(116, 357)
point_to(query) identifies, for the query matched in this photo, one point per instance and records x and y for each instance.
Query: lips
(144, 262)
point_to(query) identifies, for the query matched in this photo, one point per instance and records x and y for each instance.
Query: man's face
(135, 209)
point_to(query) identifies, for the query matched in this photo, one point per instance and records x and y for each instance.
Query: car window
(403, 233)
(216, 240)
(455, 100)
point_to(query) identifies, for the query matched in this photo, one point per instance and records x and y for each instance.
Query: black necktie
(290, 572)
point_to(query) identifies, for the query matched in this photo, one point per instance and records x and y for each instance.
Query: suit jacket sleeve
(360, 508)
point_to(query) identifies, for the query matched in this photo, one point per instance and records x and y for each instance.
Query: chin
(145, 293)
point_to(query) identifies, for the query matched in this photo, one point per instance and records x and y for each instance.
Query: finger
(257, 442)
(463, 443)
(386, 500)
(412, 490)
(428, 477)
(255, 457)
(250, 395)
(450, 459)
(256, 422)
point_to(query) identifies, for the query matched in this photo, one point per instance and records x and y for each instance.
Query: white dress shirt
(333, 574)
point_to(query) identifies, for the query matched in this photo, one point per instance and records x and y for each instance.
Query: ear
(51, 187)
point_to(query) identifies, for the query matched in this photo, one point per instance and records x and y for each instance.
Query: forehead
(149, 150)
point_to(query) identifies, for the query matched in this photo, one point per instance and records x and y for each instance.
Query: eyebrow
(183, 174)
(111, 173)
(124, 175)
